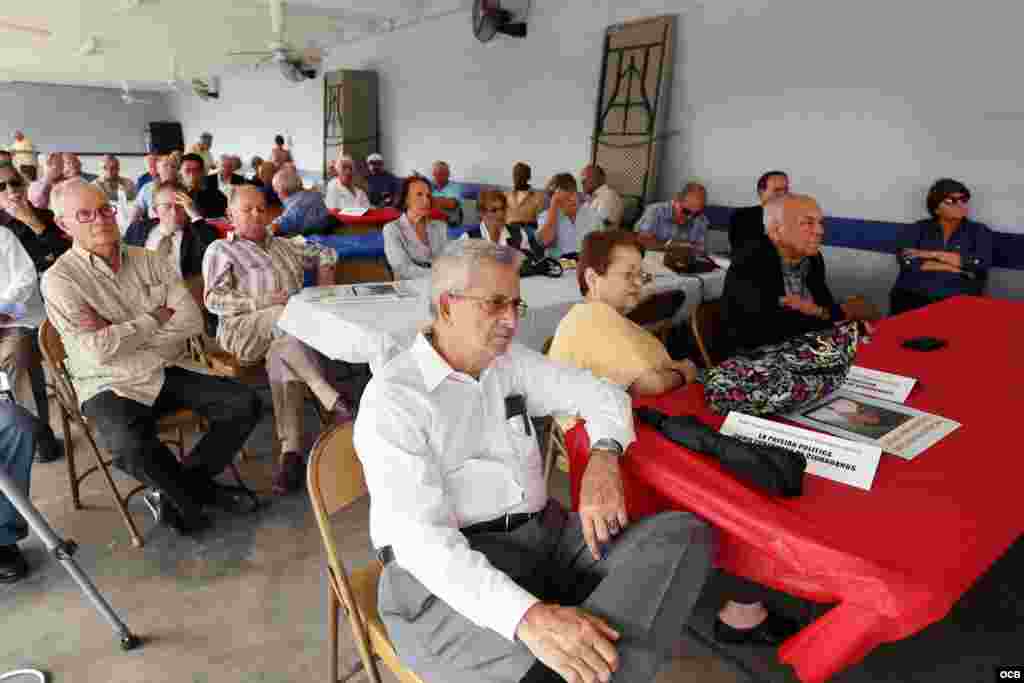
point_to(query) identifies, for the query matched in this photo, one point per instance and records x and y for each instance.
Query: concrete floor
(244, 602)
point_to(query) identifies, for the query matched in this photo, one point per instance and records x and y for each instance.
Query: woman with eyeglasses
(493, 227)
(412, 242)
(36, 229)
(596, 335)
(949, 254)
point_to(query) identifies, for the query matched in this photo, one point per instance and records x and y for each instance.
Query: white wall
(864, 103)
(253, 107)
(59, 118)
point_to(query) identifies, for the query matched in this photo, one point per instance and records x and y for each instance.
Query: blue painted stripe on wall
(887, 237)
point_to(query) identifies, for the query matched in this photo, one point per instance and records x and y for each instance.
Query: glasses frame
(643, 276)
(956, 201)
(13, 183)
(495, 308)
(107, 211)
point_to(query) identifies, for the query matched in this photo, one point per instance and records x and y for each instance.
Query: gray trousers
(645, 588)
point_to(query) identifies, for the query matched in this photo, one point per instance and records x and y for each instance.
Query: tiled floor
(244, 602)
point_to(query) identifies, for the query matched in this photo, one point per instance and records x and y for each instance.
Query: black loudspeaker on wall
(165, 137)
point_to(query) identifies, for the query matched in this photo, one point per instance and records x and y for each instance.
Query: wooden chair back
(335, 480)
(54, 354)
(705, 324)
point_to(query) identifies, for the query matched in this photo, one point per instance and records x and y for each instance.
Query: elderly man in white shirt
(342, 192)
(604, 202)
(485, 577)
(21, 314)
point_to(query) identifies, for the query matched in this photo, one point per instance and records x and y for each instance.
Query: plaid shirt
(241, 275)
(795, 278)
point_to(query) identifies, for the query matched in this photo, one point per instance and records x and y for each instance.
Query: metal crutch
(61, 549)
(64, 550)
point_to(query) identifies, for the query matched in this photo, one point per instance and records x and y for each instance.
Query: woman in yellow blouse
(596, 335)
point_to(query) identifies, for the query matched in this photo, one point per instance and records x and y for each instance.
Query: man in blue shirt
(948, 254)
(384, 187)
(304, 210)
(447, 195)
(150, 173)
(679, 220)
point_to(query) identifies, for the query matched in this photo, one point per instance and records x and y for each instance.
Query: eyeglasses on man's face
(86, 216)
(13, 183)
(954, 200)
(497, 304)
(494, 209)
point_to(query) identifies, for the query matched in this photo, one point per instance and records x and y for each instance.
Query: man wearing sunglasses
(35, 228)
(124, 316)
(949, 254)
(485, 577)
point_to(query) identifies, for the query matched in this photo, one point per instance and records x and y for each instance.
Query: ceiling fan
(128, 98)
(278, 50)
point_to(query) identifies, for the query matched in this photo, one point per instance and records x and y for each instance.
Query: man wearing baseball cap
(384, 186)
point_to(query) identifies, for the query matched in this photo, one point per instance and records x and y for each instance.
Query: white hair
(440, 164)
(58, 192)
(454, 269)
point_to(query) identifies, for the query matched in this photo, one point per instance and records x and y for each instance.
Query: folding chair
(55, 355)
(705, 322)
(335, 481)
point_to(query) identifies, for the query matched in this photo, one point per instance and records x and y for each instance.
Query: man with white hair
(304, 210)
(124, 316)
(40, 189)
(227, 175)
(73, 168)
(342, 192)
(447, 195)
(485, 577)
(166, 171)
(776, 288)
(249, 278)
(111, 181)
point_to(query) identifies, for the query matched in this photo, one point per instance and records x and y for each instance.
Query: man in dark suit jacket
(209, 201)
(747, 224)
(179, 231)
(776, 288)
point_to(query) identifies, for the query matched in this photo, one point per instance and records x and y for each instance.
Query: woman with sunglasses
(35, 228)
(948, 253)
(596, 335)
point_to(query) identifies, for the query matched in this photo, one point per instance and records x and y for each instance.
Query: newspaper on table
(878, 384)
(359, 293)
(898, 429)
(840, 460)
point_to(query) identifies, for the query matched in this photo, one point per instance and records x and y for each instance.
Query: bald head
(85, 213)
(795, 225)
(287, 181)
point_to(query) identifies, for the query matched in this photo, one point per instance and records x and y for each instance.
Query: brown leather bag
(679, 258)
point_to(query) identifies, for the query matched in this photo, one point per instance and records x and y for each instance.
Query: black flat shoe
(12, 564)
(49, 449)
(232, 499)
(773, 631)
(166, 514)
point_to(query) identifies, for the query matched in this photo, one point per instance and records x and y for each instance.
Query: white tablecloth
(374, 331)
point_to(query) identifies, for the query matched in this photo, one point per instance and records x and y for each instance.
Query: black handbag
(776, 470)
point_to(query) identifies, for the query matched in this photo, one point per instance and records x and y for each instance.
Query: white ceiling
(137, 39)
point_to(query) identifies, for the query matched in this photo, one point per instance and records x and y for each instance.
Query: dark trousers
(903, 300)
(127, 429)
(19, 432)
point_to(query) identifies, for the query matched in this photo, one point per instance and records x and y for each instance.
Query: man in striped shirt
(249, 278)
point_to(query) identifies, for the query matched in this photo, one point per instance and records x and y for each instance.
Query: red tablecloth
(380, 216)
(895, 558)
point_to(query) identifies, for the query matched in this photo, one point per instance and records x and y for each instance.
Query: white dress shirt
(503, 239)
(439, 455)
(173, 252)
(19, 284)
(340, 197)
(606, 204)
